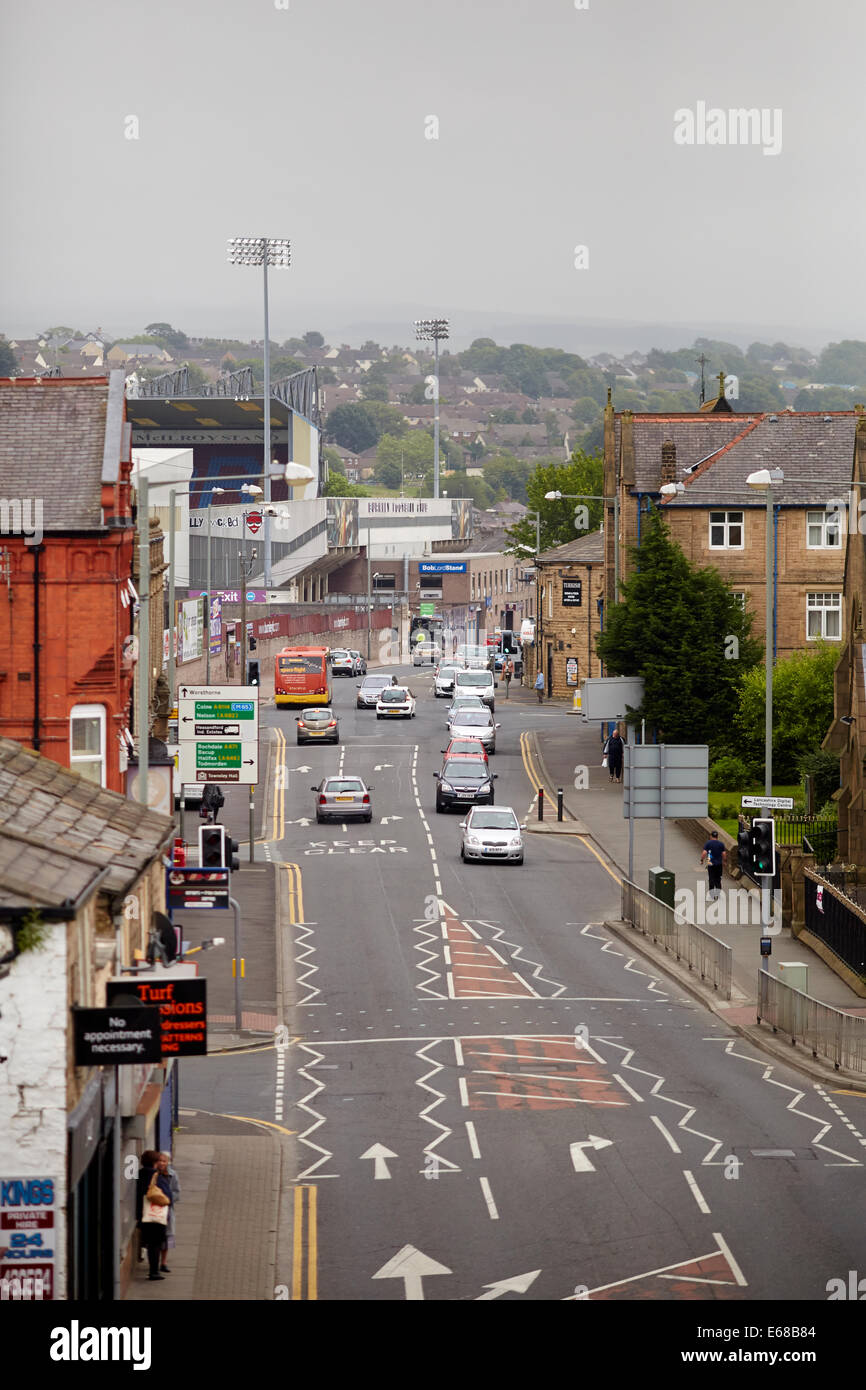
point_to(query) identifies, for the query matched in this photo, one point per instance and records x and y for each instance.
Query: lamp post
(764, 479)
(435, 331)
(592, 497)
(220, 490)
(263, 251)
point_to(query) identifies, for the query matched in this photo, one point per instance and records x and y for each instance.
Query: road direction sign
(218, 733)
(771, 803)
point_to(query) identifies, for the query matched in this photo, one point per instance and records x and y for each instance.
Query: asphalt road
(487, 1096)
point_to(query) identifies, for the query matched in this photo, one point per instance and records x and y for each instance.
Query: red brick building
(66, 548)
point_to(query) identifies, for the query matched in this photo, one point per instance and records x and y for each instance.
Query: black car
(464, 782)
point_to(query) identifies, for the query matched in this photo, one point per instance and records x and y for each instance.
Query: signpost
(770, 803)
(663, 780)
(218, 733)
(182, 1005)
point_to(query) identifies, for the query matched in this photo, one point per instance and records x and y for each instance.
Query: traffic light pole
(767, 882)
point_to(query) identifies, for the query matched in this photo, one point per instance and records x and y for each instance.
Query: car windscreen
(479, 678)
(339, 656)
(448, 672)
(375, 682)
(465, 770)
(344, 784)
(301, 665)
(474, 718)
(393, 695)
(494, 820)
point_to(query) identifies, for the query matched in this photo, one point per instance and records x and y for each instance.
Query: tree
(509, 476)
(314, 339)
(387, 472)
(386, 418)
(8, 360)
(374, 387)
(843, 363)
(334, 462)
(585, 410)
(413, 450)
(674, 626)
(283, 366)
(759, 393)
(416, 395)
(352, 427)
(831, 398)
(478, 490)
(326, 374)
(582, 475)
(339, 486)
(802, 709)
(170, 337)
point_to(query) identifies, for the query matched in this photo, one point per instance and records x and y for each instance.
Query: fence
(701, 951)
(838, 1037)
(818, 834)
(836, 920)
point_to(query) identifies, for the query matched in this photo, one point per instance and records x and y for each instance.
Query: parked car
(463, 780)
(360, 663)
(317, 725)
(339, 797)
(443, 681)
(342, 662)
(475, 724)
(370, 689)
(396, 700)
(465, 748)
(482, 683)
(491, 834)
(426, 654)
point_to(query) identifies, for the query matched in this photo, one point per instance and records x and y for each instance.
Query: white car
(396, 701)
(491, 832)
(481, 683)
(475, 723)
(443, 681)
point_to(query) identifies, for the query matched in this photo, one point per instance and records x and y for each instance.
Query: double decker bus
(301, 676)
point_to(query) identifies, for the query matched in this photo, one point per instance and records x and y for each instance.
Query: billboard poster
(342, 521)
(461, 518)
(190, 629)
(215, 626)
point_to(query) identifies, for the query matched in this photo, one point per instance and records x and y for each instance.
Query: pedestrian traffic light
(231, 852)
(252, 673)
(211, 846)
(762, 845)
(252, 644)
(744, 849)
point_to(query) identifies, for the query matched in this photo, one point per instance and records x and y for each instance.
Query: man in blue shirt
(715, 855)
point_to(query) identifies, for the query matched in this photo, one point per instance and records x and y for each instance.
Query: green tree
(373, 389)
(281, 366)
(314, 339)
(844, 363)
(170, 337)
(352, 427)
(509, 476)
(674, 626)
(582, 475)
(416, 395)
(759, 393)
(387, 472)
(802, 709)
(585, 410)
(326, 374)
(339, 486)
(386, 418)
(413, 450)
(831, 398)
(333, 460)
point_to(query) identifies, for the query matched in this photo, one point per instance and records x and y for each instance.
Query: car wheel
(491, 801)
(378, 716)
(439, 806)
(336, 740)
(369, 818)
(463, 854)
(318, 819)
(520, 860)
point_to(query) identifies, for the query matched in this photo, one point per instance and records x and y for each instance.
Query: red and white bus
(301, 676)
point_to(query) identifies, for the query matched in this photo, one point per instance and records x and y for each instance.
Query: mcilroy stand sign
(663, 780)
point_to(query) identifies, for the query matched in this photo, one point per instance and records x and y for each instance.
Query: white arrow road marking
(579, 1158)
(303, 821)
(379, 1153)
(299, 769)
(519, 1283)
(411, 1266)
(387, 819)
(380, 767)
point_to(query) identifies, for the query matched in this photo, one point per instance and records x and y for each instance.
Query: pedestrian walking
(212, 802)
(539, 686)
(507, 673)
(165, 1169)
(613, 751)
(715, 856)
(153, 1200)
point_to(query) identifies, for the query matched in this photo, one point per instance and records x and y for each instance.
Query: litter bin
(662, 885)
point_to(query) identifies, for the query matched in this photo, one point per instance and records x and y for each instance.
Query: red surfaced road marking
(476, 970)
(535, 1074)
(707, 1278)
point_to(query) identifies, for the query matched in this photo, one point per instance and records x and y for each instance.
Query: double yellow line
(278, 828)
(526, 755)
(538, 785)
(295, 892)
(305, 1247)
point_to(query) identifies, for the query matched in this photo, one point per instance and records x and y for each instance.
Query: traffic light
(211, 846)
(252, 673)
(744, 849)
(231, 851)
(762, 845)
(252, 644)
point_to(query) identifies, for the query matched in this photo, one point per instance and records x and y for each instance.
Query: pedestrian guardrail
(838, 1037)
(700, 950)
(836, 919)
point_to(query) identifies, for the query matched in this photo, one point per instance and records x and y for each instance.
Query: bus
(301, 676)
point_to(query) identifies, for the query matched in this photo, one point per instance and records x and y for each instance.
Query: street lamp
(591, 497)
(435, 331)
(263, 251)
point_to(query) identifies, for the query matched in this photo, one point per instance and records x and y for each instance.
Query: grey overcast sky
(555, 130)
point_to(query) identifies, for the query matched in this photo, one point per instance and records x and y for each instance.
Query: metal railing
(836, 919)
(838, 1037)
(706, 954)
(821, 832)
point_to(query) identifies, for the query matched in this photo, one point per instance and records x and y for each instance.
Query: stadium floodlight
(434, 331)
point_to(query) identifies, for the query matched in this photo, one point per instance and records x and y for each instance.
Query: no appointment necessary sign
(118, 1036)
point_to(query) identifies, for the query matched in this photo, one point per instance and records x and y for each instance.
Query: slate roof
(55, 437)
(585, 549)
(694, 435)
(815, 453)
(58, 831)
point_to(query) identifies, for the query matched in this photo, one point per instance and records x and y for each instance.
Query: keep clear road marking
(579, 1158)
(412, 1266)
(379, 1153)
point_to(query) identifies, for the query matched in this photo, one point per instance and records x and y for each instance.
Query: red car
(466, 748)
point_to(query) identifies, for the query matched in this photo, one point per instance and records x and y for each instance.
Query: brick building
(66, 547)
(570, 600)
(718, 520)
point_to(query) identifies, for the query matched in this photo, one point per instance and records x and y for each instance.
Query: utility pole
(143, 637)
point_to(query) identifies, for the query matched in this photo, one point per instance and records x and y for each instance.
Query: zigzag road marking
(423, 927)
(517, 955)
(690, 1110)
(307, 928)
(655, 985)
(318, 1117)
(440, 1096)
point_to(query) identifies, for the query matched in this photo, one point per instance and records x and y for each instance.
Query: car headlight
(472, 840)
(445, 787)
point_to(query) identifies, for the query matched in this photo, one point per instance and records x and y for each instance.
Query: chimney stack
(669, 462)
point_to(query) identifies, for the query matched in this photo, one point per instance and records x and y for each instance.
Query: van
(480, 683)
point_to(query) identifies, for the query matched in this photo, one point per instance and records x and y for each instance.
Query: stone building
(570, 603)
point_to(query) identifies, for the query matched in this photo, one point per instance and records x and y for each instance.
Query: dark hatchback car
(464, 782)
(317, 725)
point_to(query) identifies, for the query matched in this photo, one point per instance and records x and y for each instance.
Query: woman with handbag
(153, 1198)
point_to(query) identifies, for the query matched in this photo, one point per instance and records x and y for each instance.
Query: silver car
(339, 797)
(443, 681)
(342, 663)
(463, 702)
(475, 723)
(370, 689)
(491, 832)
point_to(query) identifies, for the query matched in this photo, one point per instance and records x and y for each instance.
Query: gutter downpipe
(37, 647)
(775, 576)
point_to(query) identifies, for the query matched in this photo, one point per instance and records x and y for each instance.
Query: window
(726, 530)
(822, 530)
(87, 742)
(740, 598)
(824, 616)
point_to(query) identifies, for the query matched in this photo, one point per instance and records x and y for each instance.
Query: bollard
(541, 803)
(559, 803)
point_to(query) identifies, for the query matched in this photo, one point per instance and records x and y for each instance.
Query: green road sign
(218, 754)
(225, 709)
